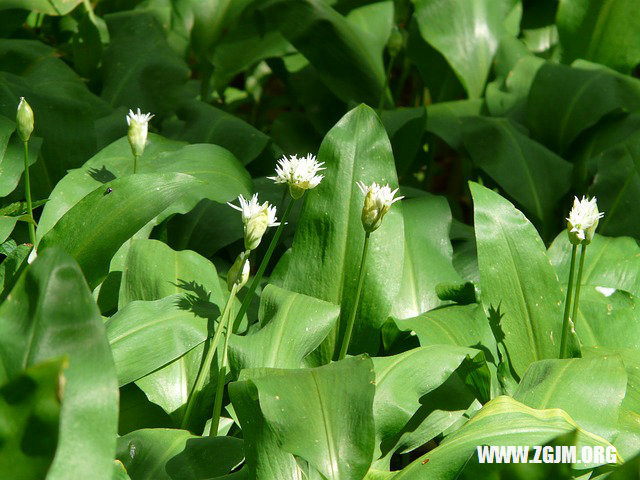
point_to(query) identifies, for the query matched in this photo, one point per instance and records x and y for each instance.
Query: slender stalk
(27, 188)
(222, 374)
(263, 265)
(576, 302)
(352, 318)
(135, 163)
(567, 304)
(205, 367)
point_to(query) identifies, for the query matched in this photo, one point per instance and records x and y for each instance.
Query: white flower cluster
(256, 218)
(583, 220)
(377, 202)
(301, 174)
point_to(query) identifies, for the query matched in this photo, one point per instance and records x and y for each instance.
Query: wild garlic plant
(25, 123)
(377, 202)
(137, 134)
(581, 226)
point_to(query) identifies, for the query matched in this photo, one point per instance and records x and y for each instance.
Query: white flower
(138, 126)
(300, 174)
(583, 220)
(256, 218)
(377, 202)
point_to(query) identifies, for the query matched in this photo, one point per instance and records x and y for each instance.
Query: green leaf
(502, 421)
(445, 119)
(408, 411)
(327, 247)
(30, 416)
(94, 229)
(139, 68)
(617, 186)
(204, 123)
(222, 176)
(427, 255)
(564, 101)
(48, 7)
(600, 31)
(342, 53)
(306, 410)
(145, 336)
(467, 32)
(610, 262)
(292, 326)
(405, 128)
(65, 110)
(534, 176)
(153, 270)
(50, 313)
(572, 385)
(517, 280)
(167, 454)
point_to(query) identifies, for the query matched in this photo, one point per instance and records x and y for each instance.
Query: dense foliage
(489, 115)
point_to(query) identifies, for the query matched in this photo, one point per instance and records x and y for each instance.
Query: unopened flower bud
(377, 202)
(138, 128)
(396, 41)
(24, 119)
(238, 273)
(256, 219)
(583, 220)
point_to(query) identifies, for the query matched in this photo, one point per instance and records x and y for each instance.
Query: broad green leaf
(167, 454)
(94, 229)
(153, 270)
(292, 326)
(534, 176)
(408, 409)
(145, 336)
(222, 176)
(517, 280)
(590, 390)
(464, 326)
(341, 52)
(617, 187)
(427, 255)
(204, 123)
(610, 262)
(502, 421)
(467, 33)
(564, 101)
(405, 128)
(601, 31)
(306, 408)
(48, 7)
(30, 417)
(139, 68)
(445, 119)
(264, 457)
(50, 313)
(327, 247)
(12, 266)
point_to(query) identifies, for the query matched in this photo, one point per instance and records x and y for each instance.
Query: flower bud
(377, 202)
(24, 119)
(583, 220)
(238, 273)
(256, 219)
(138, 128)
(396, 42)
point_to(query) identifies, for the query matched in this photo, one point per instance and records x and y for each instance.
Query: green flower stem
(263, 266)
(567, 304)
(135, 163)
(222, 375)
(576, 302)
(386, 82)
(352, 318)
(205, 367)
(27, 188)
